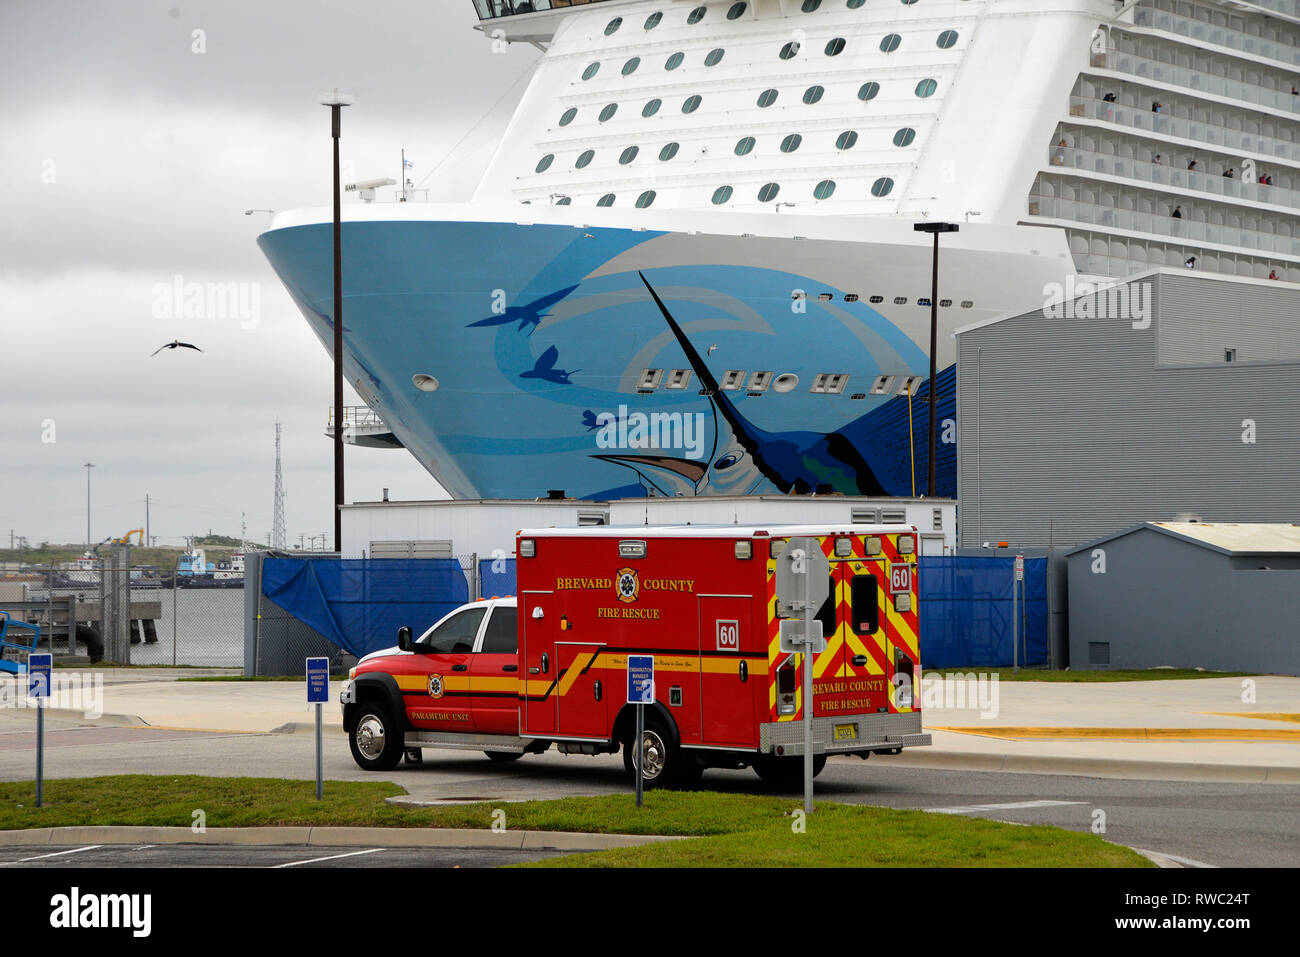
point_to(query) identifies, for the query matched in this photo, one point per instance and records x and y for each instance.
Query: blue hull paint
(524, 362)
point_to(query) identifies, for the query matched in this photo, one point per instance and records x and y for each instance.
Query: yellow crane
(126, 539)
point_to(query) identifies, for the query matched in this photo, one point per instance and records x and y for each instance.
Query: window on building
(926, 88)
(630, 66)
(767, 98)
(905, 136)
(790, 50)
(668, 152)
(692, 104)
(585, 159)
(824, 189)
(791, 143)
(674, 61)
(591, 71)
(652, 21)
(767, 192)
(696, 15)
(846, 140)
(813, 94)
(946, 39)
(890, 43)
(835, 47)
(628, 155)
(651, 107)
(613, 25)
(882, 187)
(869, 90)
(736, 11)
(606, 200)
(608, 112)
(714, 56)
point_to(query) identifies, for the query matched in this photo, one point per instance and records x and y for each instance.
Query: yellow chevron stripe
(575, 669)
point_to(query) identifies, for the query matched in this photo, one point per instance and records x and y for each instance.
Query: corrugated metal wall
(1070, 428)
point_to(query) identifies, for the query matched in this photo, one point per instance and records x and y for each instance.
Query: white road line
(75, 850)
(1016, 806)
(332, 857)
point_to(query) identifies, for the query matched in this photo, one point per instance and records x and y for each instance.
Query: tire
(377, 741)
(89, 639)
(786, 772)
(663, 764)
(503, 757)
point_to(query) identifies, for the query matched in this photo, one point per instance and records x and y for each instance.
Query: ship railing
(357, 417)
(1184, 229)
(1166, 124)
(1221, 36)
(1165, 175)
(494, 9)
(1197, 81)
(1290, 7)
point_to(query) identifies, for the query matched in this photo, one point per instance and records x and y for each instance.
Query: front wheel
(502, 757)
(661, 758)
(376, 740)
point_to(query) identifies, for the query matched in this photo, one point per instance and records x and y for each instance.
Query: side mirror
(404, 642)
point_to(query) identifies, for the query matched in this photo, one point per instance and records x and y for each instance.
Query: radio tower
(277, 520)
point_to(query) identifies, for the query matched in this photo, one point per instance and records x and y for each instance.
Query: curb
(1098, 767)
(1130, 734)
(331, 837)
(104, 720)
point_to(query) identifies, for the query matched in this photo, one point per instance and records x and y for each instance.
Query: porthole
(824, 189)
(721, 195)
(606, 200)
(890, 42)
(813, 94)
(608, 112)
(692, 104)
(791, 143)
(645, 199)
(926, 88)
(945, 303)
(564, 201)
(591, 70)
(946, 39)
(908, 3)
(714, 57)
(785, 382)
(652, 107)
(613, 25)
(545, 162)
(744, 145)
(810, 5)
(696, 15)
(668, 152)
(674, 61)
(585, 159)
(882, 187)
(767, 98)
(630, 66)
(568, 116)
(846, 140)
(767, 192)
(424, 382)
(737, 11)
(835, 47)
(869, 90)
(628, 155)
(652, 21)
(900, 300)
(904, 137)
(854, 4)
(967, 304)
(790, 50)
(877, 300)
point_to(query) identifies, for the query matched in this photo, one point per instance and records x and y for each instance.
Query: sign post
(640, 692)
(39, 669)
(803, 583)
(318, 692)
(1015, 613)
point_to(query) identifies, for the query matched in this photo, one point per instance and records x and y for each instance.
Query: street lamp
(88, 467)
(336, 101)
(934, 229)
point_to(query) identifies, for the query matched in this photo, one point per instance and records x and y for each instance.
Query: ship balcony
(364, 427)
(495, 9)
(1171, 178)
(1198, 81)
(1161, 227)
(1219, 35)
(1169, 124)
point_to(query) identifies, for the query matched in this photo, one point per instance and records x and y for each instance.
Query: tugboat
(193, 570)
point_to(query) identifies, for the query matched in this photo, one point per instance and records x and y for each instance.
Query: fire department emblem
(435, 686)
(626, 584)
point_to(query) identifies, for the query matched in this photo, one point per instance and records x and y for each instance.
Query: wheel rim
(370, 737)
(653, 755)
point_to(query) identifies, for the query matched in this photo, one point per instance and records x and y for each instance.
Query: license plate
(846, 732)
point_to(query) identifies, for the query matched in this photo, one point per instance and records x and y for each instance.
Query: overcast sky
(132, 146)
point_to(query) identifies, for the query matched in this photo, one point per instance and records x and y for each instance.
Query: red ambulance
(514, 676)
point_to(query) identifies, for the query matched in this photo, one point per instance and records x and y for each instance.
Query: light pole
(934, 229)
(88, 467)
(336, 101)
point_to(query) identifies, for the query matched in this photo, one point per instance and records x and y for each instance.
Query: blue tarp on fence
(496, 577)
(360, 603)
(966, 612)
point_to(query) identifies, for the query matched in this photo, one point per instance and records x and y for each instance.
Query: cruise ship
(692, 266)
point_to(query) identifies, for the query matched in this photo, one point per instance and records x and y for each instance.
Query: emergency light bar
(631, 549)
(744, 550)
(527, 547)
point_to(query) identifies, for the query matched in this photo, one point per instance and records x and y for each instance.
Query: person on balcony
(1177, 213)
(1109, 98)
(1192, 166)
(1228, 173)
(1156, 106)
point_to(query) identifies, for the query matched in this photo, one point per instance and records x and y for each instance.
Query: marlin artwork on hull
(691, 266)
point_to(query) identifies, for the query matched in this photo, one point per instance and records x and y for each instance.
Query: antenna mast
(277, 520)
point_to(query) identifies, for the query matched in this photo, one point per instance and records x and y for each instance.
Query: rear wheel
(376, 740)
(503, 757)
(661, 758)
(786, 772)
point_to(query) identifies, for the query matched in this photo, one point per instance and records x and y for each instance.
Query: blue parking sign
(39, 668)
(640, 679)
(318, 680)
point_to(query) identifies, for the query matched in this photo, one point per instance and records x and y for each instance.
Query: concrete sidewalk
(1183, 730)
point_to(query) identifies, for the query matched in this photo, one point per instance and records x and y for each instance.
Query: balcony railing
(1220, 36)
(1196, 80)
(1165, 175)
(1183, 230)
(1290, 7)
(1166, 124)
(492, 9)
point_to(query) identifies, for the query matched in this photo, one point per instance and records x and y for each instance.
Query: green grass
(725, 830)
(1149, 674)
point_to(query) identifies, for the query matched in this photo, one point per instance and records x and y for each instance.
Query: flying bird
(545, 368)
(528, 315)
(175, 344)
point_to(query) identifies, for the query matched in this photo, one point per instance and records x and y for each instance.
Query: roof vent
(1188, 517)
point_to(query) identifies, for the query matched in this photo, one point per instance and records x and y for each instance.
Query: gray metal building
(1224, 597)
(1170, 393)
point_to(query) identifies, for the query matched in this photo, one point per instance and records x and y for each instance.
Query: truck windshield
(455, 635)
